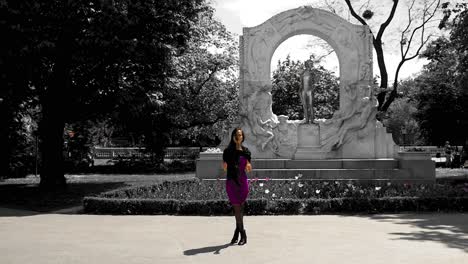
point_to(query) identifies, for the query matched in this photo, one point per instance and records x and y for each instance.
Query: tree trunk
(54, 103)
(52, 172)
(383, 73)
(393, 94)
(5, 150)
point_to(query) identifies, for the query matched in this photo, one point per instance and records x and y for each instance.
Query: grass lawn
(23, 193)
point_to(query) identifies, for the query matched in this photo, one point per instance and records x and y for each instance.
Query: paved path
(28, 237)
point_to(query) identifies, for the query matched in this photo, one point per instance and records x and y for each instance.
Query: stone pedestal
(308, 143)
(209, 165)
(308, 135)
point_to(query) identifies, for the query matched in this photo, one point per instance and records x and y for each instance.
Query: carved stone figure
(353, 119)
(364, 71)
(306, 93)
(366, 109)
(285, 140)
(260, 116)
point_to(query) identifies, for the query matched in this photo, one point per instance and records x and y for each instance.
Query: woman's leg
(241, 213)
(243, 239)
(237, 214)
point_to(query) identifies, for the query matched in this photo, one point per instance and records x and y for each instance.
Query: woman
(236, 162)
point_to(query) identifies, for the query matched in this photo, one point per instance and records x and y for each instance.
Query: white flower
(389, 183)
(325, 183)
(292, 183)
(337, 182)
(378, 188)
(299, 175)
(290, 189)
(296, 177)
(267, 191)
(213, 150)
(260, 184)
(361, 191)
(300, 185)
(273, 195)
(317, 191)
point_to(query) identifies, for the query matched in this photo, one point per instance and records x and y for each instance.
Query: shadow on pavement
(449, 229)
(26, 199)
(215, 249)
(15, 212)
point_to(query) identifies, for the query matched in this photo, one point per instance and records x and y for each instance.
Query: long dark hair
(232, 143)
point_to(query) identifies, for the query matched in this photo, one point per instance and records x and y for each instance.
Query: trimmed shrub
(195, 197)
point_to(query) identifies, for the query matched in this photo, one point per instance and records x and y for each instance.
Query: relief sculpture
(285, 140)
(260, 117)
(345, 124)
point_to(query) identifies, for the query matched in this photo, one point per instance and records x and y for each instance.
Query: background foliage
(286, 82)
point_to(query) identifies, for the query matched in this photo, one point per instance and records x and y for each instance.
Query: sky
(236, 14)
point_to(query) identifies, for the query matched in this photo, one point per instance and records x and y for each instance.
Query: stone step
(330, 173)
(325, 164)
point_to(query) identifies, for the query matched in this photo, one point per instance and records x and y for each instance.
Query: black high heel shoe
(236, 236)
(243, 239)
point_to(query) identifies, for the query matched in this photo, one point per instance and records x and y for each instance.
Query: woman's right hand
(225, 166)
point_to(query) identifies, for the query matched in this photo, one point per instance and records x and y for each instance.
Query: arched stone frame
(352, 132)
(352, 44)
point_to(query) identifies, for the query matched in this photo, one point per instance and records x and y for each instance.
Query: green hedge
(99, 205)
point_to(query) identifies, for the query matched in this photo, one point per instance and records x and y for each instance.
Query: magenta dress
(238, 193)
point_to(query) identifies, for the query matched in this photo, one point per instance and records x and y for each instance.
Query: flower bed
(195, 197)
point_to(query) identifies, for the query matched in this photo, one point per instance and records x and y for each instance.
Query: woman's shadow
(215, 249)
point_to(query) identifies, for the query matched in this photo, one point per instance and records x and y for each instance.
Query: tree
(286, 83)
(416, 28)
(400, 118)
(203, 97)
(438, 97)
(459, 40)
(443, 96)
(81, 57)
(413, 34)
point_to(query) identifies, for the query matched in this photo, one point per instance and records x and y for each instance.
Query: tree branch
(351, 9)
(199, 122)
(330, 7)
(393, 94)
(323, 56)
(387, 22)
(198, 89)
(422, 26)
(419, 49)
(410, 20)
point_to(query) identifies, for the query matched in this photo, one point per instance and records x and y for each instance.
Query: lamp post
(37, 153)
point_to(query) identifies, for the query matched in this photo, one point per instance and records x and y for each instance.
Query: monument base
(308, 153)
(368, 171)
(308, 143)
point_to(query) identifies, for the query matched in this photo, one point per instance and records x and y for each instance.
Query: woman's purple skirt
(238, 193)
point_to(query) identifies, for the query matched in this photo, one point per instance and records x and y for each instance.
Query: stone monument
(306, 93)
(350, 145)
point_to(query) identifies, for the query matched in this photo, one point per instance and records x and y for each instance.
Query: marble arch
(354, 143)
(352, 44)
(353, 130)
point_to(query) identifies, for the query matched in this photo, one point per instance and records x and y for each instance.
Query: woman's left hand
(248, 167)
